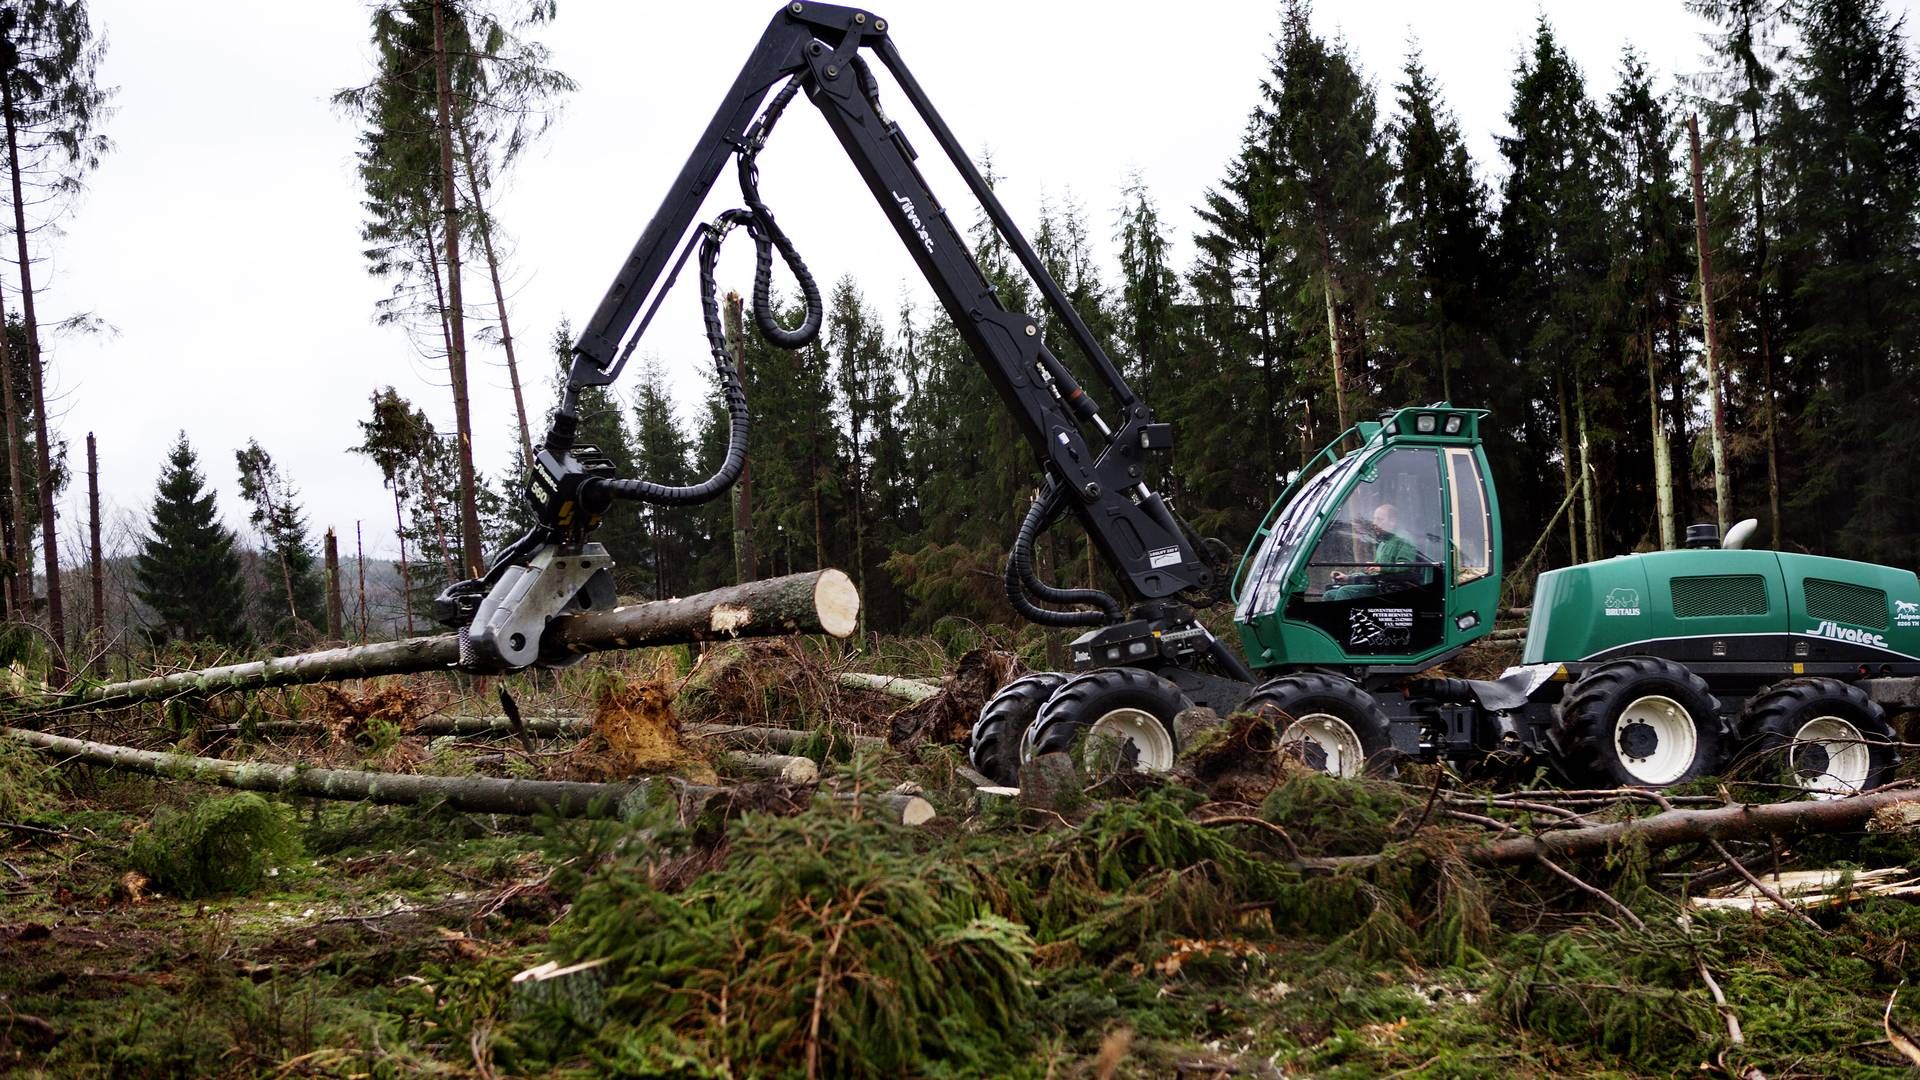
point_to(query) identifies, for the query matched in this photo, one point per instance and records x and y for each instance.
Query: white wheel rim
(1335, 738)
(1847, 764)
(1152, 742)
(1675, 741)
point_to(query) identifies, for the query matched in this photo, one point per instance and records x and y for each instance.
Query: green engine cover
(1717, 606)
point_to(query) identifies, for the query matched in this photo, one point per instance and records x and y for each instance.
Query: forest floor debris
(1145, 928)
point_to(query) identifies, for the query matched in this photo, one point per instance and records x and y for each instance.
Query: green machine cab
(1387, 555)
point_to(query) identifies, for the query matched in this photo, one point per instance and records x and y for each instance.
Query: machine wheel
(1825, 735)
(1332, 724)
(994, 748)
(1128, 703)
(1641, 722)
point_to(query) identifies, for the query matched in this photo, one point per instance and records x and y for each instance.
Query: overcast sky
(220, 238)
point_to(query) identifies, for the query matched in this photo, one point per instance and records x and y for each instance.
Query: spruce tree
(292, 606)
(1847, 252)
(1554, 261)
(50, 104)
(659, 454)
(1652, 264)
(1437, 286)
(186, 572)
(1331, 179)
(1235, 390)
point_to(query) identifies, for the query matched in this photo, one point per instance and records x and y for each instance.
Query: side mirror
(1741, 532)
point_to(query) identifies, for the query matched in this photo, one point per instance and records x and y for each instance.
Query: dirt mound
(348, 716)
(780, 684)
(948, 716)
(635, 730)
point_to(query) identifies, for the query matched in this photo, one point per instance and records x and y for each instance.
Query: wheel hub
(1637, 740)
(1655, 740)
(1810, 761)
(1145, 743)
(1325, 742)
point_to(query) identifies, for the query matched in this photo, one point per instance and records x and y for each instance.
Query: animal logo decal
(1622, 601)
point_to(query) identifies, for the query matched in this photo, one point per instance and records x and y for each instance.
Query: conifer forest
(1412, 605)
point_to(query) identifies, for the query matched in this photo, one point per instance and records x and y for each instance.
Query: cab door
(1376, 580)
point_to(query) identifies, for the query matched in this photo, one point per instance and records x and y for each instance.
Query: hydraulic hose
(767, 235)
(735, 395)
(1023, 585)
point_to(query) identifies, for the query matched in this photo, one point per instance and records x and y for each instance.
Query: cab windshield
(1266, 579)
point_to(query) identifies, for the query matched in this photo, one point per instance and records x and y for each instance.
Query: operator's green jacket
(1395, 550)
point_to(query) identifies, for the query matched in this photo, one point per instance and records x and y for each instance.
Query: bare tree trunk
(743, 563)
(336, 613)
(439, 527)
(1722, 498)
(20, 581)
(56, 618)
(406, 574)
(456, 315)
(360, 562)
(98, 567)
(485, 221)
(1662, 453)
(1588, 501)
(1333, 334)
(822, 602)
(1566, 467)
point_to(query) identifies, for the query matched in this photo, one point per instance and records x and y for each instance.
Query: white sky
(221, 237)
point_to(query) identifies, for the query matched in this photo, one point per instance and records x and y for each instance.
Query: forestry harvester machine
(1379, 561)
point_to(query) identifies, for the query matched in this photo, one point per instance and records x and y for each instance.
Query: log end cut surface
(838, 602)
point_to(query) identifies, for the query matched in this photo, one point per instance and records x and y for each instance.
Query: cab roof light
(1426, 423)
(1453, 424)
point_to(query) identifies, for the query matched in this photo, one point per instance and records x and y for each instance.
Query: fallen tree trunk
(1744, 821)
(745, 737)
(545, 727)
(476, 794)
(915, 690)
(481, 794)
(824, 601)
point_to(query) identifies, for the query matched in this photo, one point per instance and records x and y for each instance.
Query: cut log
(795, 770)
(824, 601)
(895, 807)
(895, 685)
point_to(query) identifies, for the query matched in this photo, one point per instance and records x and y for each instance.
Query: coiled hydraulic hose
(766, 235)
(1023, 585)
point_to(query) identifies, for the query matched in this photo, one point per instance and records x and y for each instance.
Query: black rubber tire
(1309, 692)
(1078, 703)
(1772, 719)
(1586, 719)
(994, 747)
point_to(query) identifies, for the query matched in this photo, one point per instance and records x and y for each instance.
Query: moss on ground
(1148, 929)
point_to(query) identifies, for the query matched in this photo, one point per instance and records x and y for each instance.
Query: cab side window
(1472, 527)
